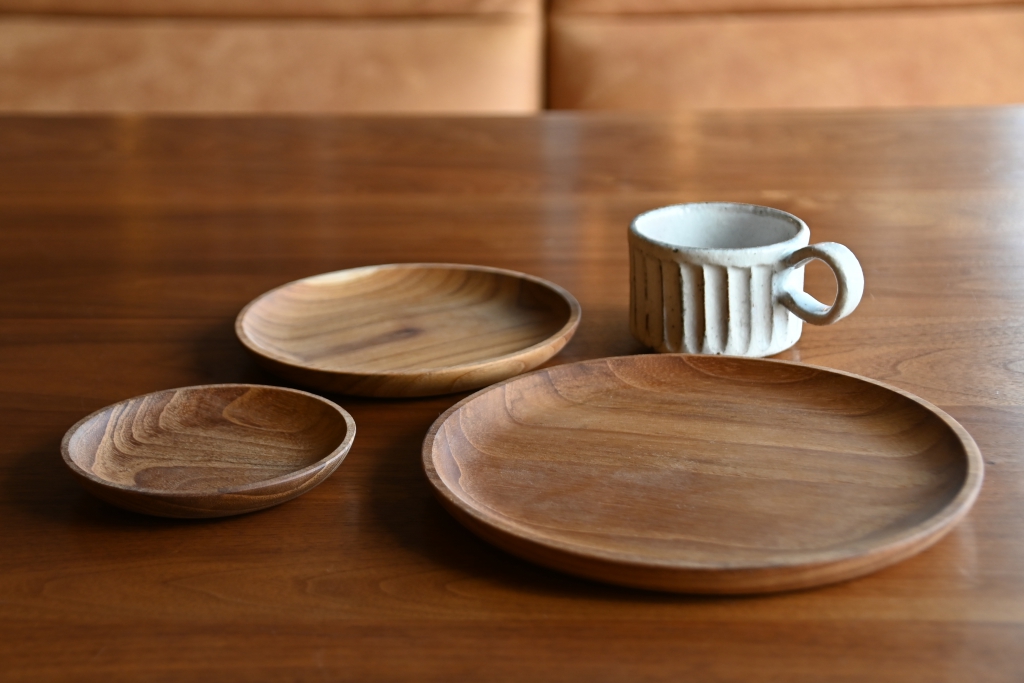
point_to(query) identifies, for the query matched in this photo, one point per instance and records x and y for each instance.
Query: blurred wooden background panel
(663, 7)
(485, 63)
(272, 8)
(786, 59)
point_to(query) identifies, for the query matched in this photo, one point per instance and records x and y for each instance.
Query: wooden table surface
(127, 246)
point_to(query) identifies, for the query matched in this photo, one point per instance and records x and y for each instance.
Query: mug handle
(849, 281)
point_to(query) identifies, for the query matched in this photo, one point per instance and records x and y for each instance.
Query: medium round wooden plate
(414, 329)
(208, 451)
(703, 474)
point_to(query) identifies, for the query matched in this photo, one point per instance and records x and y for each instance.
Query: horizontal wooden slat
(106, 65)
(271, 8)
(841, 59)
(632, 7)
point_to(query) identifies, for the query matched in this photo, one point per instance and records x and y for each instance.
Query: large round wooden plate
(413, 329)
(703, 474)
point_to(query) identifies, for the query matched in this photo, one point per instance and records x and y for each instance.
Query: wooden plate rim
(342, 449)
(933, 527)
(564, 332)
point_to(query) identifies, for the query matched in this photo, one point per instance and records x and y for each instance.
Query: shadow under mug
(726, 278)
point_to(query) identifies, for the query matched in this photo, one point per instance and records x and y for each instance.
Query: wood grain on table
(128, 245)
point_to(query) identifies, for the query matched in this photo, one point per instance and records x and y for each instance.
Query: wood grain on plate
(408, 329)
(703, 474)
(208, 451)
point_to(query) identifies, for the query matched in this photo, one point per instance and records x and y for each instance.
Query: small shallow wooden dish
(208, 451)
(703, 474)
(415, 329)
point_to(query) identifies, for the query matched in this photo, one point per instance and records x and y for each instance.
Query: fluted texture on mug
(683, 307)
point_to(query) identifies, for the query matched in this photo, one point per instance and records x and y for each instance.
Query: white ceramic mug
(725, 278)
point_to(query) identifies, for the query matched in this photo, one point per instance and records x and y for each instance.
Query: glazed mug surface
(727, 278)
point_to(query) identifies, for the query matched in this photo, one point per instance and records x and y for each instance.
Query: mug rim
(801, 238)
